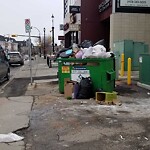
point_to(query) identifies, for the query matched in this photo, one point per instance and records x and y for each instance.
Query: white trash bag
(87, 52)
(10, 137)
(99, 48)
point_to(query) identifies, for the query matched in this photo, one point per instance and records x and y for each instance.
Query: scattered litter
(35, 135)
(115, 121)
(10, 137)
(146, 138)
(66, 145)
(148, 93)
(58, 137)
(111, 121)
(83, 102)
(62, 118)
(122, 137)
(138, 138)
(87, 123)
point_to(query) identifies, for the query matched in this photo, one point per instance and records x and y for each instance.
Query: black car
(4, 66)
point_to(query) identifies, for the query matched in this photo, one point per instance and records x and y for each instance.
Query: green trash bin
(144, 71)
(101, 71)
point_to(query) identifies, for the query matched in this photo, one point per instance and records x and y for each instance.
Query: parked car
(4, 66)
(15, 58)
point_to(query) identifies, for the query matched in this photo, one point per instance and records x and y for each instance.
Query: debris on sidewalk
(146, 138)
(122, 137)
(10, 137)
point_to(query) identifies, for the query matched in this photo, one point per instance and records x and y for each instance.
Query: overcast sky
(14, 12)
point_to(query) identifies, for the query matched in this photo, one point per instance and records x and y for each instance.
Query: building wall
(90, 21)
(129, 26)
(95, 25)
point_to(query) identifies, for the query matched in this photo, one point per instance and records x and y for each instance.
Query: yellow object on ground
(122, 65)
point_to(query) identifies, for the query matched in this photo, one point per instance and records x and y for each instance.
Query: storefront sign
(74, 9)
(132, 6)
(135, 3)
(74, 27)
(104, 5)
(61, 38)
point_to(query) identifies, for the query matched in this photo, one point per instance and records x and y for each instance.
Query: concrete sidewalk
(14, 115)
(39, 68)
(15, 111)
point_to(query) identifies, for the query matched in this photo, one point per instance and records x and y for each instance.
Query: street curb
(143, 85)
(46, 81)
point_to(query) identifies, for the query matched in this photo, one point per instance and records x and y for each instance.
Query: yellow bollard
(122, 65)
(129, 72)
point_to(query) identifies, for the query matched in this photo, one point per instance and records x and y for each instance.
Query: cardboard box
(68, 88)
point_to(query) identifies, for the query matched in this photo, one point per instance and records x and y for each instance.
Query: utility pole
(44, 45)
(40, 45)
(53, 44)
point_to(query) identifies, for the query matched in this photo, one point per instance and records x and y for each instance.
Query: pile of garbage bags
(85, 50)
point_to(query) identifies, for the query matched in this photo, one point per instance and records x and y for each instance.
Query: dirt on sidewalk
(60, 124)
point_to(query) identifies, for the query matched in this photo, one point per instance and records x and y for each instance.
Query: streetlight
(44, 44)
(53, 32)
(39, 39)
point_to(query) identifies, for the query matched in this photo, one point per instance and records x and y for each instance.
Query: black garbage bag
(61, 51)
(86, 44)
(66, 54)
(85, 88)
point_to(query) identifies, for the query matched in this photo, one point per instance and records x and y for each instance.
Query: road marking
(2, 88)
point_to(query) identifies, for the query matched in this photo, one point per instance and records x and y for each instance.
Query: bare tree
(48, 43)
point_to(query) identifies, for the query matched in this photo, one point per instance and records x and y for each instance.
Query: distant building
(8, 43)
(22, 46)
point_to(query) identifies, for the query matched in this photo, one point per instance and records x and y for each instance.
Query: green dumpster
(101, 71)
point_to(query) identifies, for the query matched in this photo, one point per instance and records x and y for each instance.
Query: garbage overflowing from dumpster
(84, 50)
(85, 72)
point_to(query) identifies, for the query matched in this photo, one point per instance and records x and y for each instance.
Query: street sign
(27, 25)
(28, 30)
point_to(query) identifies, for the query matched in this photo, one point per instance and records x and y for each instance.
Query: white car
(15, 58)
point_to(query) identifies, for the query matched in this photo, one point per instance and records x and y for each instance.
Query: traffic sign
(27, 25)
